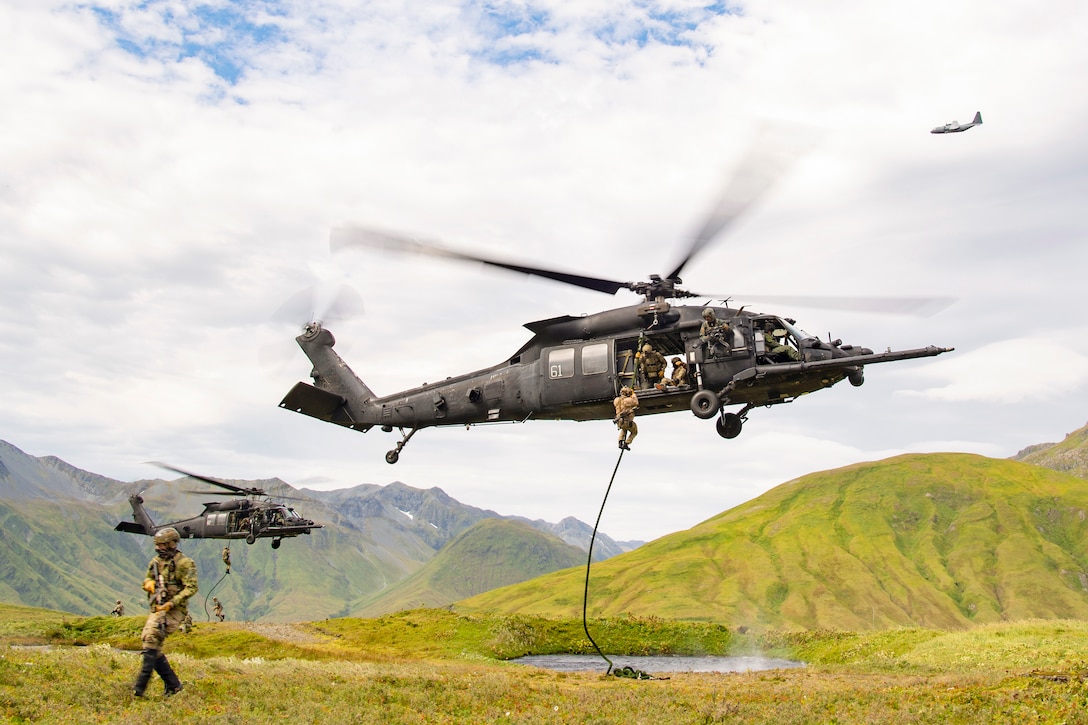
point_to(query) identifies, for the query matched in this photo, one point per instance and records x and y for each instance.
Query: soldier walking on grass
(169, 583)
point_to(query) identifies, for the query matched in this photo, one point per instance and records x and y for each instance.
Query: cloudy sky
(170, 173)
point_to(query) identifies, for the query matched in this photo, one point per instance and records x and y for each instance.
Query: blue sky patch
(222, 36)
(515, 32)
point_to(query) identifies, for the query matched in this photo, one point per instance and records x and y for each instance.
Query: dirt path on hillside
(282, 632)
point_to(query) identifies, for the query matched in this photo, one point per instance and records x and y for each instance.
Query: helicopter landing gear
(729, 425)
(705, 404)
(276, 543)
(394, 455)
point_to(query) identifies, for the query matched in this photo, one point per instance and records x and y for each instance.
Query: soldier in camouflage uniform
(652, 365)
(119, 610)
(713, 332)
(625, 404)
(774, 349)
(169, 607)
(679, 376)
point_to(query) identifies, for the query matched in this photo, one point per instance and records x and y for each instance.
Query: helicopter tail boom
(142, 524)
(337, 395)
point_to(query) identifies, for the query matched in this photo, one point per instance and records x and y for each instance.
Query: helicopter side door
(577, 372)
(217, 523)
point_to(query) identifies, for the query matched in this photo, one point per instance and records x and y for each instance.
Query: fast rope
(226, 560)
(622, 671)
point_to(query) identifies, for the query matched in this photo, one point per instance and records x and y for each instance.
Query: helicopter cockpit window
(595, 359)
(561, 363)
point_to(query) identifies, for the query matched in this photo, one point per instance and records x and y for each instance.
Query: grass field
(433, 666)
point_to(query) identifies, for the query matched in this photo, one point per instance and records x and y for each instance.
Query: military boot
(170, 680)
(147, 666)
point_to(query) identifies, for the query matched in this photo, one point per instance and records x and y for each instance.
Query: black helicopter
(252, 517)
(573, 367)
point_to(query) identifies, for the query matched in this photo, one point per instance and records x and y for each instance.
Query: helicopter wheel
(705, 404)
(250, 538)
(392, 457)
(729, 425)
(275, 543)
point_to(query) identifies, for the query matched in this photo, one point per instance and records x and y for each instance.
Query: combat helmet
(167, 537)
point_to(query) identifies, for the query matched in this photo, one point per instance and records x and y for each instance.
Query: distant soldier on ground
(652, 366)
(170, 582)
(218, 609)
(187, 625)
(119, 610)
(626, 403)
(226, 557)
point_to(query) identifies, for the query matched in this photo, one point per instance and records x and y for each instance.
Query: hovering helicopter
(252, 517)
(573, 367)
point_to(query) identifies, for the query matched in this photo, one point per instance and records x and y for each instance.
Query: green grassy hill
(493, 553)
(1070, 456)
(940, 540)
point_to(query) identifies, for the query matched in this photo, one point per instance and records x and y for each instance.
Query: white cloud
(156, 209)
(1010, 371)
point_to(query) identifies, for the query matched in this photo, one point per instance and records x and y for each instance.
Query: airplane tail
(977, 120)
(142, 524)
(337, 395)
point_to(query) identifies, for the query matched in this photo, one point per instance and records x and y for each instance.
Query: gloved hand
(163, 607)
(149, 586)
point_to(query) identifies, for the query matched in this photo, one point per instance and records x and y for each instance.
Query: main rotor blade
(354, 236)
(916, 306)
(773, 152)
(212, 493)
(205, 479)
(341, 303)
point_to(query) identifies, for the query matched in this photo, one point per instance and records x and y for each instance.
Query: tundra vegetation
(437, 666)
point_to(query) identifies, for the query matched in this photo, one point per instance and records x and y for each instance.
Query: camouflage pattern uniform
(119, 610)
(679, 373)
(713, 331)
(179, 578)
(773, 348)
(218, 609)
(626, 403)
(652, 364)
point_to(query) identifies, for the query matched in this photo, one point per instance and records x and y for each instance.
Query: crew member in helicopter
(652, 366)
(713, 332)
(626, 403)
(775, 350)
(169, 582)
(679, 377)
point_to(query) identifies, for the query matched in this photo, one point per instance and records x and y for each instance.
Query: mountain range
(944, 541)
(59, 550)
(924, 540)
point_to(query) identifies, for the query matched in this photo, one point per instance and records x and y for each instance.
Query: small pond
(659, 664)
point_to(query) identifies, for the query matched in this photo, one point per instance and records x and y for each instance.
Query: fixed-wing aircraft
(956, 126)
